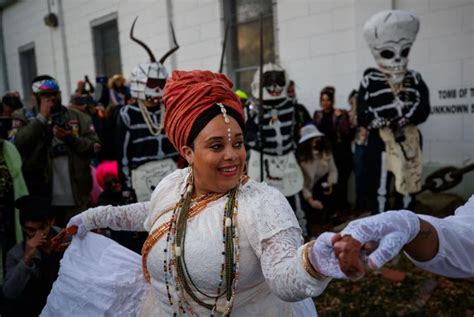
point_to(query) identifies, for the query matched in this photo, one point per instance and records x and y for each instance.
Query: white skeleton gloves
(391, 230)
(378, 123)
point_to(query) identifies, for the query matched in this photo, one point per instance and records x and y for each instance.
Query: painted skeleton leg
(382, 190)
(296, 205)
(407, 199)
(300, 215)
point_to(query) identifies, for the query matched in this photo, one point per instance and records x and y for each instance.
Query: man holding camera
(56, 146)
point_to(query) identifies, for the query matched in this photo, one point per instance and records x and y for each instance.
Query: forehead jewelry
(226, 120)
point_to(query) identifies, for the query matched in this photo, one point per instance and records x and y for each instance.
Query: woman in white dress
(218, 241)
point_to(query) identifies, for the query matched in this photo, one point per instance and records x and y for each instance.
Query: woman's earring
(190, 179)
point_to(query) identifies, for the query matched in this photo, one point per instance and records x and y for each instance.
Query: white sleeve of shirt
(455, 257)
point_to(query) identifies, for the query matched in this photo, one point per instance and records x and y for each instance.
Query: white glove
(81, 228)
(378, 123)
(391, 230)
(323, 258)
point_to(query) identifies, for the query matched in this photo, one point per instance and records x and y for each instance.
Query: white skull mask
(148, 81)
(275, 83)
(390, 35)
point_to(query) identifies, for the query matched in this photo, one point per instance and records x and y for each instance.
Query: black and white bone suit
(392, 99)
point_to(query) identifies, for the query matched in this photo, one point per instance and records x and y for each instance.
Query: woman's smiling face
(217, 156)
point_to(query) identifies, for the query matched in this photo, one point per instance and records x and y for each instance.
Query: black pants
(379, 180)
(360, 172)
(344, 163)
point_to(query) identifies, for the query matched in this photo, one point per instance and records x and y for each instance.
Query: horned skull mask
(390, 35)
(275, 82)
(148, 79)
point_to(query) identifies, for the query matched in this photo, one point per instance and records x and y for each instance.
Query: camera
(83, 100)
(59, 118)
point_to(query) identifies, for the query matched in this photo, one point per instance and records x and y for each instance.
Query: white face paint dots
(390, 35)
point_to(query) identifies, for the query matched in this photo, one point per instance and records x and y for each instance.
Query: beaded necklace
(175, 242)
(151, 125)
(198, 205)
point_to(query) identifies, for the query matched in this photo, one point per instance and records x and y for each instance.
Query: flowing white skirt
(97, 277)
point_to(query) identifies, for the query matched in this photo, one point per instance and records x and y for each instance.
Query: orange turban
(187, 94)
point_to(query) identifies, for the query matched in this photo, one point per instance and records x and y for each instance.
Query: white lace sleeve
(456, 243)
(283, 270)
(275, 236)
(129, 217)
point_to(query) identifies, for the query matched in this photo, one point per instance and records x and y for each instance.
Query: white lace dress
(272, 279)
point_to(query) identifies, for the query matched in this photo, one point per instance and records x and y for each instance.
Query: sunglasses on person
(274, 77)
(48, 94)
(153, 83)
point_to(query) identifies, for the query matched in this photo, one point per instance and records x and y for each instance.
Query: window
(106, 47)
(243, 53)
(28, 68)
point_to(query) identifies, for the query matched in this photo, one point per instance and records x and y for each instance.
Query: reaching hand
(391, 230)
(323, 258)
(81, 228)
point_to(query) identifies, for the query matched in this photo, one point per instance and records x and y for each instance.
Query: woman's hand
(391, 230)
(323, 258)
(81, 228)
(352, 255)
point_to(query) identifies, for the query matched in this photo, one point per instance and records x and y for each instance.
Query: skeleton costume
(281, 168)
(392, 100)
(145, 154)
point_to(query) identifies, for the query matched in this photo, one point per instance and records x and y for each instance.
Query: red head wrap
(187, 94)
